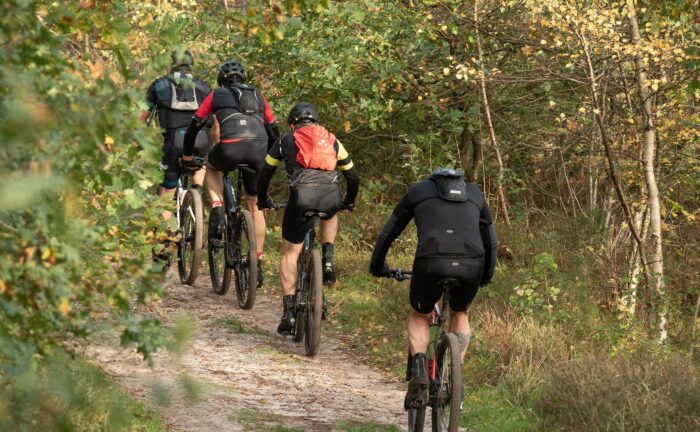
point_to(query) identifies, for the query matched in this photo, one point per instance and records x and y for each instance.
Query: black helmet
(182, 58)
(228, 70)
(302, 111)
(447, 172)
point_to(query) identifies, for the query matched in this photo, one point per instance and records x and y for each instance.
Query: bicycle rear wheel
(314, 304)
(219, 271)
(448, 398)
(189, 248)
(247, 262)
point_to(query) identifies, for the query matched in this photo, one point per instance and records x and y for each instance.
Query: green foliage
(70, 394)
(536, 296)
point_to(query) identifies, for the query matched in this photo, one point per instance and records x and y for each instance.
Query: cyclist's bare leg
(459, 324)
(215, 184)
(258, 221)
(162, 192)
(418, 332)
(198, 177)
(329, 229)
(288, 266)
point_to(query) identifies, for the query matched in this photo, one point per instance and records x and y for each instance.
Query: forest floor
(237, 373)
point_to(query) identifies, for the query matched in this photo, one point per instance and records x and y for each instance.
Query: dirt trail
(252, 379)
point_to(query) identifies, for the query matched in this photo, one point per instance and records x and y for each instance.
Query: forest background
(579, 119)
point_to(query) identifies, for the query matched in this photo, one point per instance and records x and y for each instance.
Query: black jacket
(446, 227)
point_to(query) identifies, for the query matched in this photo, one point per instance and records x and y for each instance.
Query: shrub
(639, 391)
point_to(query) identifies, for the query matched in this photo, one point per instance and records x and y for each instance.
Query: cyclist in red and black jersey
(247, 128)
(326, 154)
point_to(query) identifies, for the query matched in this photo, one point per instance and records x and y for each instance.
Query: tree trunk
(489, 123)
(608, 153)
(469, 153)
(657, 260)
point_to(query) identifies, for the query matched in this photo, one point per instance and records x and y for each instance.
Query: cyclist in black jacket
(456, 240)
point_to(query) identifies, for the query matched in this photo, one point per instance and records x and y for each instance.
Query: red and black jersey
(236, 122)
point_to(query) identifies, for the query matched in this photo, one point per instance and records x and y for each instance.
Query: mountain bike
(189, 223)
(308, 301)
(444, 369)
(236, 251)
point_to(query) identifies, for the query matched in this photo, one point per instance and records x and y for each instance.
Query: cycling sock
(260, 255)
(327, 249)
(215, 204)
(463, 339)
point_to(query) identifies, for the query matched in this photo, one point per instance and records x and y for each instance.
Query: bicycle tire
(299, 322)
(300, 298)
(416, 419)
(247, 262)
(219, 271)
(314, 305)
(192, 232)
(448, 400)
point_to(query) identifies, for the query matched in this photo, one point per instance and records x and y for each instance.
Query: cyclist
(175, 97)
(311, 155)
(247, 129)
(456, 240)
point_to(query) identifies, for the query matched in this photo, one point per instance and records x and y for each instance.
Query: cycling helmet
(182, 58)
(302, 111)
(229, 70)
(447, 172)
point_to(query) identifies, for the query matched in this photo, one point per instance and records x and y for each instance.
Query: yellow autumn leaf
(64, 306)
(347, 126)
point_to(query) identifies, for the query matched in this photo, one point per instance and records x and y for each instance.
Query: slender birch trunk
(489, 123)
(608, 153)
(657, 260)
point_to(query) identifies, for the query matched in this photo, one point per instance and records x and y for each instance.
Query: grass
(353, 426)
(487, 409)
(256, 420)
(236, 326)
(71, 394)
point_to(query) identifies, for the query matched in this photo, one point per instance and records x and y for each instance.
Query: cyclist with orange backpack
(311, 155)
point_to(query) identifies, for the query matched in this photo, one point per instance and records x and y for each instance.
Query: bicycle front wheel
(314, 304)
(247, 262)
(416, 419)
(447, 404)
(189, 248)
(219, 271)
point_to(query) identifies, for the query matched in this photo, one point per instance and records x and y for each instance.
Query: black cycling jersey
(446, 228)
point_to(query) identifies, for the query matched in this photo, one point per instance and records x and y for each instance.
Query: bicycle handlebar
(400, 274)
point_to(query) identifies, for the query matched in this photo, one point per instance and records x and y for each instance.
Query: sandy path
(254, 379)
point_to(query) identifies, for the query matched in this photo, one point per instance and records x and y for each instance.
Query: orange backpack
(315, 148)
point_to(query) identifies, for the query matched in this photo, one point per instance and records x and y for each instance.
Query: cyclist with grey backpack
(174, 98)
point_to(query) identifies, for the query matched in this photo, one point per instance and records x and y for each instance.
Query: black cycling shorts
(294, 226)
(225, 157)
(428, 272)
(172, 151)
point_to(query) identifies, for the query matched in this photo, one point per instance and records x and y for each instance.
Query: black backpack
(246, 96)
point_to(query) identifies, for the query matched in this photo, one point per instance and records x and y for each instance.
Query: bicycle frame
(309, 241)
(232, 208)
